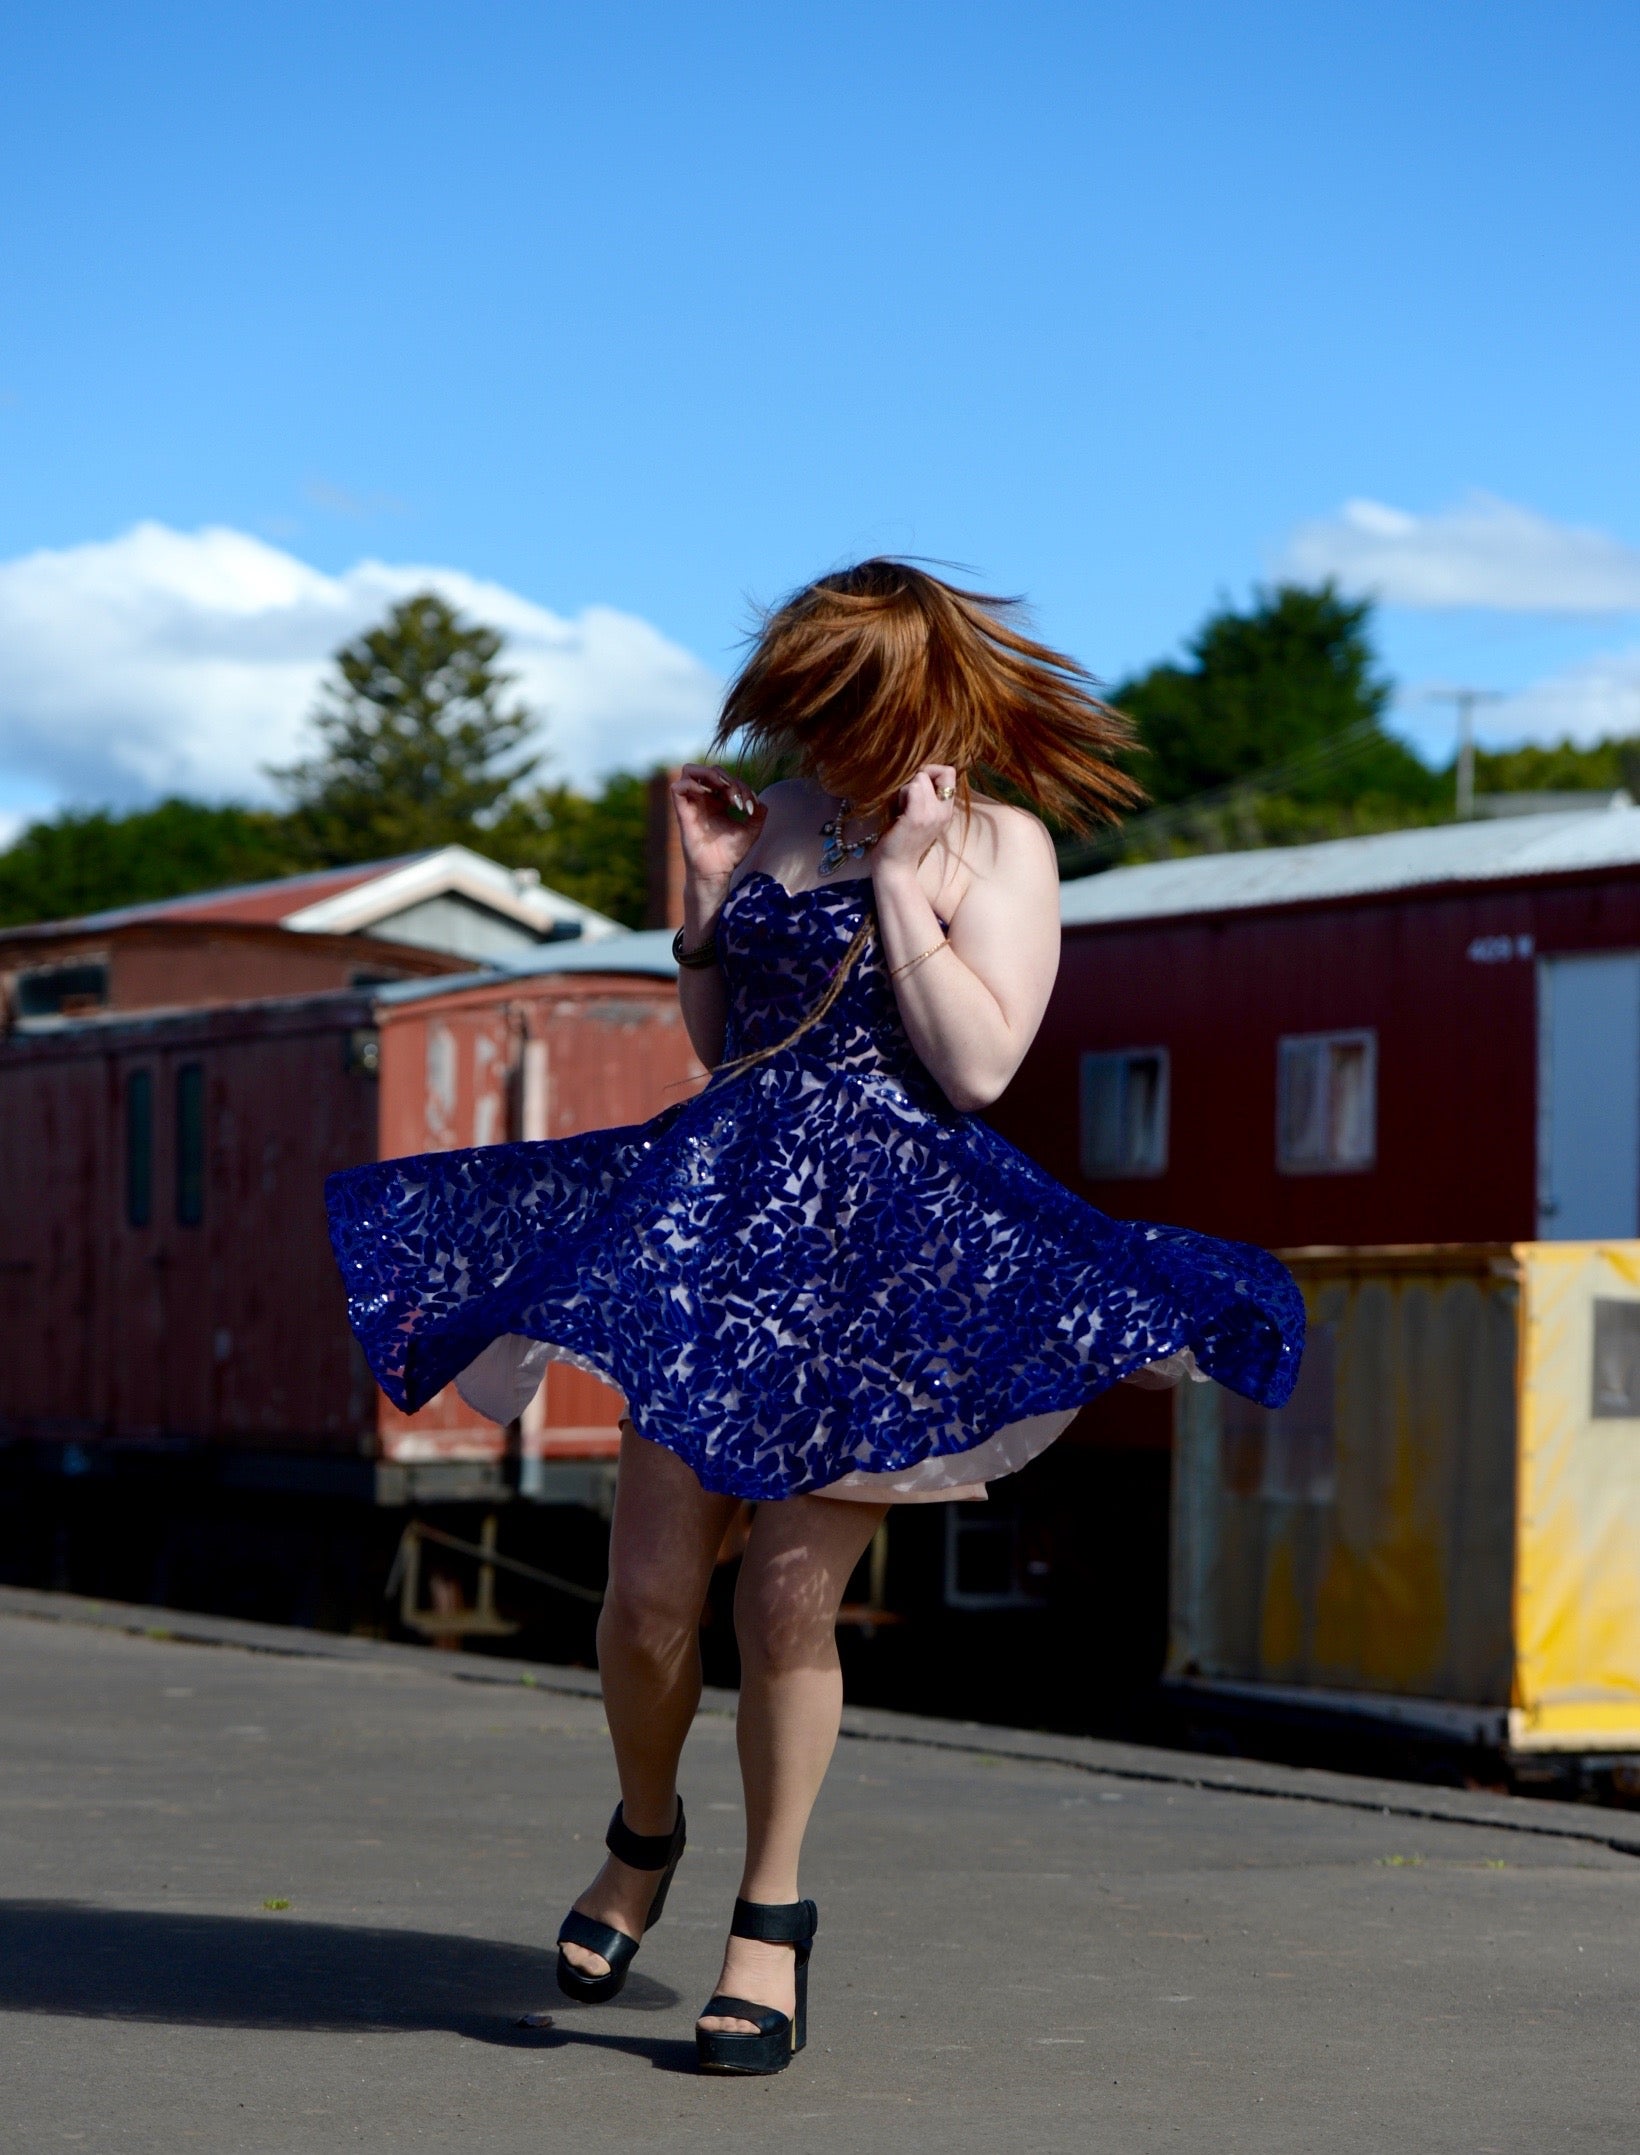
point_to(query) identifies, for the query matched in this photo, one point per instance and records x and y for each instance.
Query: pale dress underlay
(501, 1382)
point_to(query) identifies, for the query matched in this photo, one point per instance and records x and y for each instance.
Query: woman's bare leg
(663, 1543)
(792, 1580)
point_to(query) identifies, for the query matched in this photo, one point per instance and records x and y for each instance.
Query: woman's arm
(972, 1005)
(718, 823)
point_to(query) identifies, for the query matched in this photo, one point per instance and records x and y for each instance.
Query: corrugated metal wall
(1447, 1510)
(1577, 1585)
(1361, 1539)
(1446, 978)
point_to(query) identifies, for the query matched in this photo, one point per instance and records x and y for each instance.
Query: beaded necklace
(836, 848)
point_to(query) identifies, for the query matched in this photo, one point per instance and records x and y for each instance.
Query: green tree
(1561, 767)
(593, 847)
(1289, 684)
(418, 746)
(89, 860)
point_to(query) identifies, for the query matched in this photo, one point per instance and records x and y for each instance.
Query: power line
(1158, 825)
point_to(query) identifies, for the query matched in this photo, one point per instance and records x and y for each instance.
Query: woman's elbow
(972, 1091)
(970, 1100)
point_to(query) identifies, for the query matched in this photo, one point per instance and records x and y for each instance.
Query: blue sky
(630, 315)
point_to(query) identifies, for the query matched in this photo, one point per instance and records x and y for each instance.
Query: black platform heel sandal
(778, 2039)
(643, 1852)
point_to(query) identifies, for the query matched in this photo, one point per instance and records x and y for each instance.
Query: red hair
(870, 673)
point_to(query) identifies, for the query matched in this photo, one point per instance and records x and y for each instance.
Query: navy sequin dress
(814, 1273)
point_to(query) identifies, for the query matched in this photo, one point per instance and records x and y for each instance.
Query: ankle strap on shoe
(643, 1851)
(775, 1922)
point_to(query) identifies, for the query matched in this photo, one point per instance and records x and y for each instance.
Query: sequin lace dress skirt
(816, 1274)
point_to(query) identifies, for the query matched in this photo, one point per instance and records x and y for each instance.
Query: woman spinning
(820, 1284)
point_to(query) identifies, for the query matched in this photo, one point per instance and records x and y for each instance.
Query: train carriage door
(1589, 1097)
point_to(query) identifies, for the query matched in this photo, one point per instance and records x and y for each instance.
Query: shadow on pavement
(275, 1971)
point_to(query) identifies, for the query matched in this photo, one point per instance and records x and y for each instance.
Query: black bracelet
(697, 960)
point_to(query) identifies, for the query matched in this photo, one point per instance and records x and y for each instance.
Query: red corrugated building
(1428, 1036)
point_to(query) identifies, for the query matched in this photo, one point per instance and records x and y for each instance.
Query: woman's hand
(719, 819)
(925, 810)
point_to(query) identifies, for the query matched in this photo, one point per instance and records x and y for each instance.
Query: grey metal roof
(644, 950)
(1488, 852)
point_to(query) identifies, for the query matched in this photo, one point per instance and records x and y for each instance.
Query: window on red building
(1327, 1103)
(1124, 1113)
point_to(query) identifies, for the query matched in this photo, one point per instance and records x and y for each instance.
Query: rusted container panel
(539, 1057)
(1448, 1509)
(447, 1074)
(451, 1076)
(613, 1051)
(1577, 1570)
(257, 1345)
(1361, 1539)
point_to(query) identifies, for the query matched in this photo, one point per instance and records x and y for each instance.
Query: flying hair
(866, 675)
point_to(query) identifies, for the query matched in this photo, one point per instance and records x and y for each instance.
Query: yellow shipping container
(1443, 1524)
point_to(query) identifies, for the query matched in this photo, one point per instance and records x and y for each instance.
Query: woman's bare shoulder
(1004, 838)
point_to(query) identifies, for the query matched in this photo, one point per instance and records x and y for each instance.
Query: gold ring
(947, 793)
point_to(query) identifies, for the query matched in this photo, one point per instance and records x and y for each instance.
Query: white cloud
(1593, 699)
(1589, 701)
(1481, 553)
(184, 661)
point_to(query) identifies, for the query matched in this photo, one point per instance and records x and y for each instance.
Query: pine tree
(418, 746)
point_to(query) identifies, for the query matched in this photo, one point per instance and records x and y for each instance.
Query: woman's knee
(651, 1610)
(785, 1618)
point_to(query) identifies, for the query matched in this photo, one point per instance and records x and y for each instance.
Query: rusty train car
(173, 1324)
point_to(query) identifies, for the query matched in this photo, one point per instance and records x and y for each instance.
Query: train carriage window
(62, 991)
(1124, 1113)
(190, 1144)
(1327, 1103)
(139, 1148)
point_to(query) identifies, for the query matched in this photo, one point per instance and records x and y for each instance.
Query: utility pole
(1464, 701)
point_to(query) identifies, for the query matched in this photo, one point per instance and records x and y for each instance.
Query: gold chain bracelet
(933, 949)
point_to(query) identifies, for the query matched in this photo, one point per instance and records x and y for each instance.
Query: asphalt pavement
(262, 1891)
